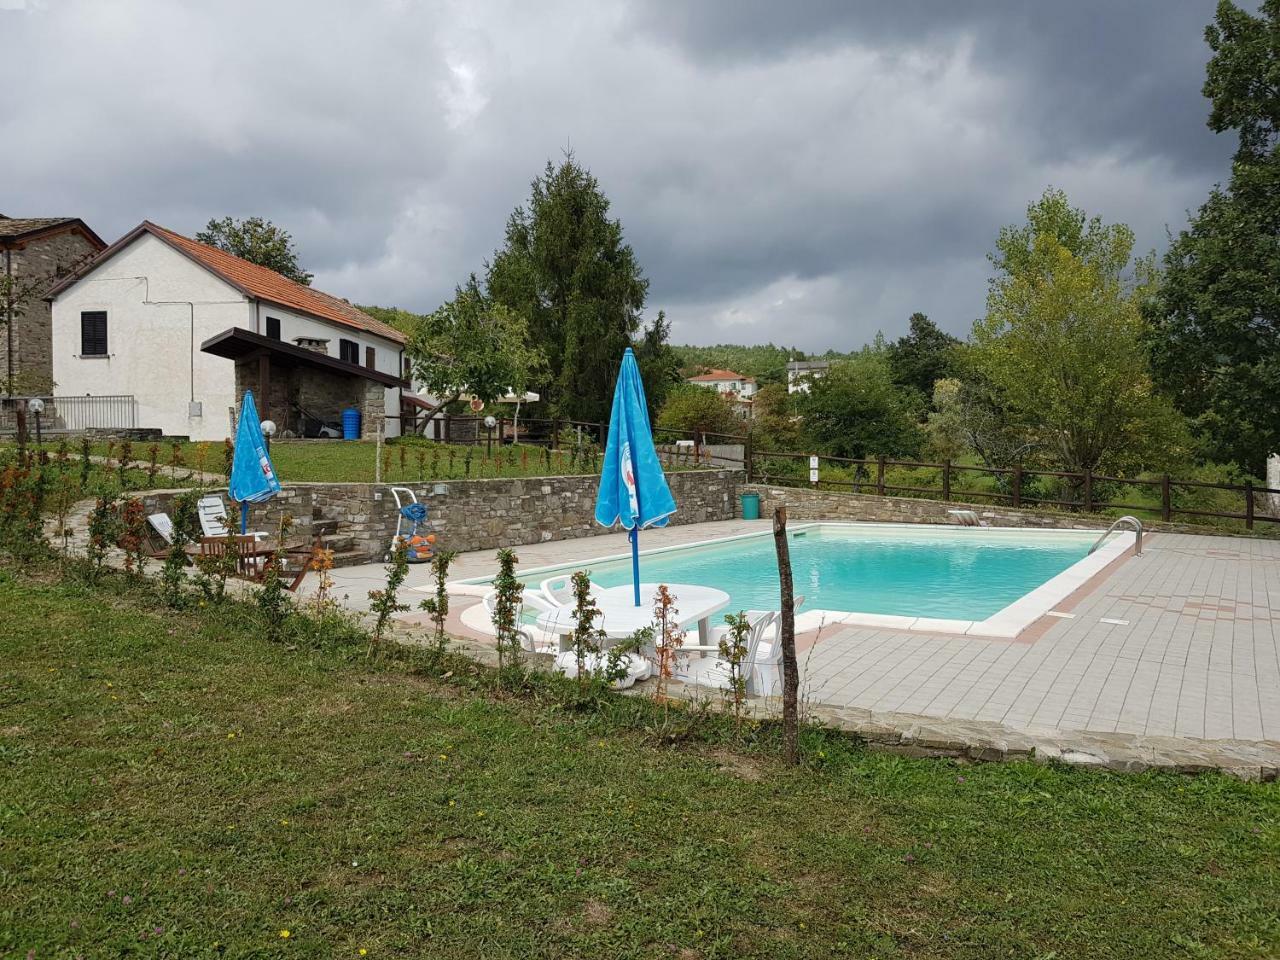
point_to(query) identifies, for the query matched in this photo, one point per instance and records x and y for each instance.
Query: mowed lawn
(355, 461)
(175, 786)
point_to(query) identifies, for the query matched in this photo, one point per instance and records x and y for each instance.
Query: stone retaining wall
(474, 514)
(808, 504)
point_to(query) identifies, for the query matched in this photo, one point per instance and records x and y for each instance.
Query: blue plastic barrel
(351, 424)
(751, 506)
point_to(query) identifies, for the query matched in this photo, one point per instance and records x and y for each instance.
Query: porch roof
(237, 344)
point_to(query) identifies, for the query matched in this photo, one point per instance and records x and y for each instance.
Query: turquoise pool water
(963, 574)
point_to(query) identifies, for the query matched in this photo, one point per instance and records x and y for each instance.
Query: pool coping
(1007, 623)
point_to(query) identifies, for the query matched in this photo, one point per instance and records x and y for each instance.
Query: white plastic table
(620, 617)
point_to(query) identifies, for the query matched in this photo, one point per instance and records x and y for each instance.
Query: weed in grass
(438, 606)
(668, 640)
(508, 592)
(385, 603)
(733, 653)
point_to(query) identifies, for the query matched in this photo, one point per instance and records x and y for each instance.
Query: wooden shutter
(369, 355)
(93, 333)
(273, 328)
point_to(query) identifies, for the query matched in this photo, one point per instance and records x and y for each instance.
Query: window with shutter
(93, 333)
(273, 328)
(349, 351)
(369, 356)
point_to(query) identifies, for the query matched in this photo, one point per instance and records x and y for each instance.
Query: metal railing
(1131, 521)
(71, 414)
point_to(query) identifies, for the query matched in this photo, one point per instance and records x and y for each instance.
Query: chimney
(314, 344)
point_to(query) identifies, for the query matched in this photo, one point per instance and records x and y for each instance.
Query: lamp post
(489, 423)
(268, 431)
(36, 406)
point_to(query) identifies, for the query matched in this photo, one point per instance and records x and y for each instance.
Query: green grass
(177, 787)
(310, 461)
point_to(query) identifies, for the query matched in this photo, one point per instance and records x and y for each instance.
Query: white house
(184, 328)
(801, 373)
(727, 382)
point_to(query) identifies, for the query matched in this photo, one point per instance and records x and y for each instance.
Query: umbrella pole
(635, 561)
(244, 517)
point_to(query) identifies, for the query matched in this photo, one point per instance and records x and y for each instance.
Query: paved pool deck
(1178, 649)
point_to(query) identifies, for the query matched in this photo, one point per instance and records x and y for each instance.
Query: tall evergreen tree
(923, 357)
(566, 268)
(1217, 320)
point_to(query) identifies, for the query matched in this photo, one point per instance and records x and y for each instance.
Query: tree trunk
(426, 421)
(787, 637)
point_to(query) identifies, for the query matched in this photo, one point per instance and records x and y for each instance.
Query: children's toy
(411, 519)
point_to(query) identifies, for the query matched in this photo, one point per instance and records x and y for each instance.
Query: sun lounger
(213, 517)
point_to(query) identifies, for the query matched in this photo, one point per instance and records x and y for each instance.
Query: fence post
(1166, 499)
(1248, 504)
(1088, 491)
(946, 481)
(880, 475)
(447, 420)
(1017, 485)
(555, 434)
(747, 456)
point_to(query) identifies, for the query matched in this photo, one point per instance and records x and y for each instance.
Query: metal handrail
(1137, 526)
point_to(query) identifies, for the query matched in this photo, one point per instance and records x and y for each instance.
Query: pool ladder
(1137, 527)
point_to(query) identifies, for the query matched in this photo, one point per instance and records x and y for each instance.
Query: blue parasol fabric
(253, 479)
(633, 488)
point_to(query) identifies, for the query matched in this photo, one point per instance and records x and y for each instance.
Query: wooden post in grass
(1166, 499)
(787, 637)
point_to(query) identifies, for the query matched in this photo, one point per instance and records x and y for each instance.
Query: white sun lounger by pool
(528, 638)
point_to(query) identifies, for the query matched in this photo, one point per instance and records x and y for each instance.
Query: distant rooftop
(18, 228)
(714, 376)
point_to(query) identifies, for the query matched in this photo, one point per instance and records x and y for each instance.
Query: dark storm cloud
(806, 173)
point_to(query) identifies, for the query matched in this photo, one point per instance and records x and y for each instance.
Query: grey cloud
(805, 173)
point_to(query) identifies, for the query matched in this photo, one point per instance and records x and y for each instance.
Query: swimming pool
(954, 579)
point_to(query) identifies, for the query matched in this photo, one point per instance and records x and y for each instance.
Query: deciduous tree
(472, 345)
(1216, 343)
(1063, 342)
(259, 241)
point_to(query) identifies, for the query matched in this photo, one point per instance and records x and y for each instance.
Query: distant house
(183, 329)
(735, 387)
(37, 252)
(801, 373)
(727, 382)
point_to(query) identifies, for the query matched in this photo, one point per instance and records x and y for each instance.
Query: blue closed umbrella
(253, 479)
(633, 489)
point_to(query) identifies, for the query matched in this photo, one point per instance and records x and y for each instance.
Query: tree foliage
(259, 241)
(694, 409)
(766, 362)
(566, 269)
(1063, 345)
(922, 357)
(1216, 343)
(856, 410)
(475, 345)
(658, 362)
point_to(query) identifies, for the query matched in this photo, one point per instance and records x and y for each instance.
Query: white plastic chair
(714, 672)
(528, 641)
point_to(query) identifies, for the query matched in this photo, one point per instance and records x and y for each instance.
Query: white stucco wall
(153, 346)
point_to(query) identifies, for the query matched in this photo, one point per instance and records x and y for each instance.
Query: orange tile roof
(713, 375)
(266, 284)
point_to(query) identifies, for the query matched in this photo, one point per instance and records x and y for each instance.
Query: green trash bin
(751, 506)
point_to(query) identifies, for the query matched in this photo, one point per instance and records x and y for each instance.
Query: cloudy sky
(805, 173)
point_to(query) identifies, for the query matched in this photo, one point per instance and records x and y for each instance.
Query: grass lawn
(312, 461)
(177, 787)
